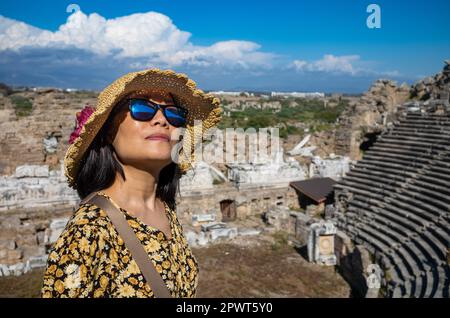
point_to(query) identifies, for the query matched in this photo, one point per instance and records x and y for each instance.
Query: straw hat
(200, 106)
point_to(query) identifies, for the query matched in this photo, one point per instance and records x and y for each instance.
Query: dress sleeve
(74, 262)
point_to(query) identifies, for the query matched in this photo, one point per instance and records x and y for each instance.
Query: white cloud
(151, 37)
(344, 65)
(15, 34)
(329, 63)
(240, 53)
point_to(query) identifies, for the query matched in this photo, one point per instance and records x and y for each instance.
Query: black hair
(99, 166)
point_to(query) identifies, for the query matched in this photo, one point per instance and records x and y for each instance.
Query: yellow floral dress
(90, 259)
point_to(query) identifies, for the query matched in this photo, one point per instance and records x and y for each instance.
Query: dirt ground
(262, 266)
(25, 286)
(253, 267)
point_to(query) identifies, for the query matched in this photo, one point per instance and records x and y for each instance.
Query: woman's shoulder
(89, 222)
(88, 213)
(88, 218)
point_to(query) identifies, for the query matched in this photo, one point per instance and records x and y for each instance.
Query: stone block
(14, 256)
(223, 233)
(248, 231)
(4, 270)
(200, 218)
(8, 244)
(28, 239)
(37, 261)
(56, 228)
(17, 269)
(31, 171)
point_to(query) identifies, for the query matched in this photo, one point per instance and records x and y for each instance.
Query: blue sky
(224, 45)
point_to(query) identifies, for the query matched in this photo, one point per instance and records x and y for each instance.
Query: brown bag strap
(138, 252)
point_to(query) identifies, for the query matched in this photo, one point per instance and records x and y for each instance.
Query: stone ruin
(35, 186)
(332, 166)
(37, 139)
(321, 243)
(395, 202)
(203, 176)
(35, 205)
(367, 117)
(433, 89)
(276, 172)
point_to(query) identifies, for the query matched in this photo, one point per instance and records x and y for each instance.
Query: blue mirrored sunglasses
(145, 110)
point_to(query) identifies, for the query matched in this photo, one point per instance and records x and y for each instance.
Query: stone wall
(27, 235)
(40, 138)
(35, 205)
(34, 186)
(249, 201)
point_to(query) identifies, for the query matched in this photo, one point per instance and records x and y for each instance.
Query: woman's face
(132, 143)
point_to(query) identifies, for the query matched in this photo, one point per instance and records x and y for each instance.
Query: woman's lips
(161, 138)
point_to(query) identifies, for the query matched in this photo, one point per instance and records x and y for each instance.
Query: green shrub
(309, 111)
(22, 105)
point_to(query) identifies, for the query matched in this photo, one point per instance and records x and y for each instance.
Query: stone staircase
(396, 202)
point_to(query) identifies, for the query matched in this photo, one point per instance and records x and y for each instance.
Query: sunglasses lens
(176, 116)
(140, 110)
(143, 111)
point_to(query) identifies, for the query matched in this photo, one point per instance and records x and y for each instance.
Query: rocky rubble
(433, 87)
(369, 114)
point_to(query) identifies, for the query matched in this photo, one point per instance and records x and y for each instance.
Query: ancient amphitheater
(396, 200)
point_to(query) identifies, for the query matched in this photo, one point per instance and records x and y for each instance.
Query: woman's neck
(136, 193)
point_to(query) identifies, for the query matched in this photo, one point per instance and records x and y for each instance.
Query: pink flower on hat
(82, 117)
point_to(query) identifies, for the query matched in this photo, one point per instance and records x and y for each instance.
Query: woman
(124, 151)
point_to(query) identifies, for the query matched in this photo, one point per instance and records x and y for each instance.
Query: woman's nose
(159, 118)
